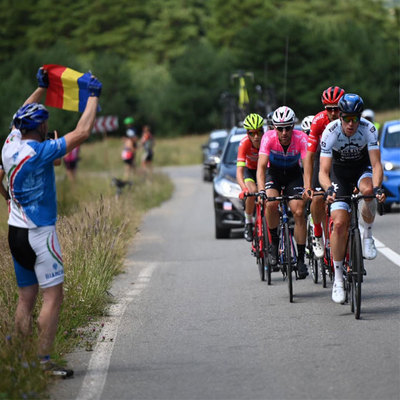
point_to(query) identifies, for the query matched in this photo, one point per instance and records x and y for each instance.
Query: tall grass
(94, 230)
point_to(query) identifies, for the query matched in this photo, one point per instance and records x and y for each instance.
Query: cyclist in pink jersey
(247, 165)
(330, 98)
(281, 152)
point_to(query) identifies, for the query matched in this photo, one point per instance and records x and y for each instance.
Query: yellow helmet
(253, 121)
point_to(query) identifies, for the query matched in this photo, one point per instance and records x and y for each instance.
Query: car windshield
(216, 145)
(230, 155)
(392, 137)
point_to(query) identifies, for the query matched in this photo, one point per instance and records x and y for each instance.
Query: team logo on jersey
(55, 266)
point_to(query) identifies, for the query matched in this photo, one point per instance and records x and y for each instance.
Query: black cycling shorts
(291, 180)
(345, 178)
(250, 175)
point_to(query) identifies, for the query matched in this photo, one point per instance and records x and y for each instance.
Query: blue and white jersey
(349, 150)
(30, 172)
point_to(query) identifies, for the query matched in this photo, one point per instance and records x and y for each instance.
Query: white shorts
(37, 256)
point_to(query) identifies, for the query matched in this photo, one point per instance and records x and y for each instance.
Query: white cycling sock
(367, 230)
(338, 270)
(248, 218)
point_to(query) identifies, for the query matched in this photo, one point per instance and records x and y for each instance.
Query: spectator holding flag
(28, 163)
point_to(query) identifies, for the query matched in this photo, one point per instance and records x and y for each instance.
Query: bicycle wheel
(259, 255)
(323, 272)
(357, 267)
(265, 243)
(312, 261)
(288, 261)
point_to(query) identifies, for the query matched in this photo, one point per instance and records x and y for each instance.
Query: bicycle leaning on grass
(261, 240)
(287, 250)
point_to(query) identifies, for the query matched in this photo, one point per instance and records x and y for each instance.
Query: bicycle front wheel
(265, 242)
(357, 266)
(288, 261)
(257, 244)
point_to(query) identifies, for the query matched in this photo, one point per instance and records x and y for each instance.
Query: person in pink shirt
(279, 168)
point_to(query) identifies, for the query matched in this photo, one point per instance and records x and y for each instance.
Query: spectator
(147, 141)
(71, 163)
(128, 154)
(32, 233)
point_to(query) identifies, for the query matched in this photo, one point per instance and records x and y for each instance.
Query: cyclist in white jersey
(28, 163)
(350, 146)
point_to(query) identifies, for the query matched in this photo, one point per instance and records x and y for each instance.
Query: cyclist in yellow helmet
(246, 172)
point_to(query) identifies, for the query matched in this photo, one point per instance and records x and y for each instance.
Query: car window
(392, 137)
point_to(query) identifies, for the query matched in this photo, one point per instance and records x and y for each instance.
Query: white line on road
(386, 251)
(96, 375)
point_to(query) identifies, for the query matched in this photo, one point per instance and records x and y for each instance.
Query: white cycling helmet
(306, 123)
(368, 114)
(283, 116)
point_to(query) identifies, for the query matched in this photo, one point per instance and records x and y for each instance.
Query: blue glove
(42, 78)
(94, 87)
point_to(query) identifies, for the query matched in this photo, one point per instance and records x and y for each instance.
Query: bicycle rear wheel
(357, 266)
(323, 272)
(265, 247)
(259, 255)
(288, 261)
(312, 261)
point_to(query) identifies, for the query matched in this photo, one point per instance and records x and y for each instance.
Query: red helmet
(332, 95)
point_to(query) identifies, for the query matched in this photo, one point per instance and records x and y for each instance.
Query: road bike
(261, 240)
(320, 268)
(287, 250)
(353, 266)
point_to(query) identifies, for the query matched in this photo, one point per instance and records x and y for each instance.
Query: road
(193, 321)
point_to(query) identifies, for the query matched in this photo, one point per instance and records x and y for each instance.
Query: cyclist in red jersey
(246, 167)
(330, 98)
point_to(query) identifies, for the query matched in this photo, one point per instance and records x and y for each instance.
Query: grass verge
(94, 230)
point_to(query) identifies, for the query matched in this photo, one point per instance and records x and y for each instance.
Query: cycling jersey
(349, 151)
(30, 172)
(278, 157)
(350, 158)
(318, 126)
(247, 154)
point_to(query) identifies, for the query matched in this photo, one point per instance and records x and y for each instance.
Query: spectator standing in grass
(130, 147)
(28, 161)
(147, 141)
(71, 163)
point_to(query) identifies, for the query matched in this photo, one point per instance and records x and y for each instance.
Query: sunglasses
(258, 132)
(286, 128)
(350, 118)
(332, 109)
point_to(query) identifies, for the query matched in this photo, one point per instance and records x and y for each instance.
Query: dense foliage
(169, 62)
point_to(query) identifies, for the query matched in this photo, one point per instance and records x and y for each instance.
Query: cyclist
(270, 125)
(330, 98)
(350, 147)
(306, 124)
(370, 116)
(281, 151)
(28, 162)
(246, 171)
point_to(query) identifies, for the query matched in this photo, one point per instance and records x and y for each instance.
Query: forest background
(169, 63)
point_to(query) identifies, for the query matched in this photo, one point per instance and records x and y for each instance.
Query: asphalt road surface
(192, 320)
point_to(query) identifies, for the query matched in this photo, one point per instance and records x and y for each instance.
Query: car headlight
(227, 188)
(388, 166)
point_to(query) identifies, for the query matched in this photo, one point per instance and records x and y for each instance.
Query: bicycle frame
(353, 266)
(259, 245)
(287, 249)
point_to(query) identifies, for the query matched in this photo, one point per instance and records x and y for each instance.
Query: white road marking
(387, 252)
(96, 375)
(390, 254)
